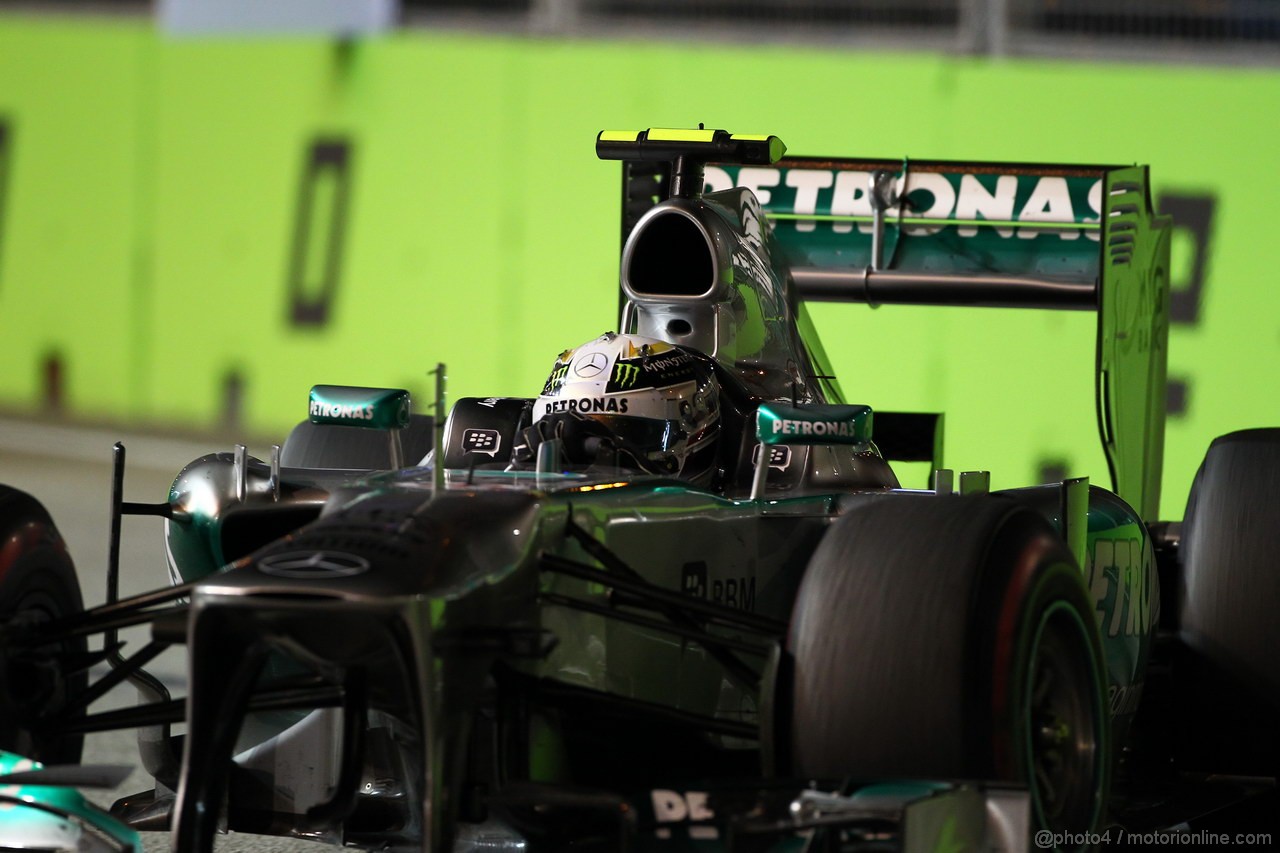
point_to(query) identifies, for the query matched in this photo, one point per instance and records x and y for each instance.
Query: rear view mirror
(349, 405)
(817, 424)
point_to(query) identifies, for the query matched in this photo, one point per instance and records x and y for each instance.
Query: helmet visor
(644, 435)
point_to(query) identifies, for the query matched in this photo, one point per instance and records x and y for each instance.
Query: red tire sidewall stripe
(1006, 646)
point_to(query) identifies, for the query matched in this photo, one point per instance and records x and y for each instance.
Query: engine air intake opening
(671, 256)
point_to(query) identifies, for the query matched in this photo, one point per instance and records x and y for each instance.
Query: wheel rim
(1062, 716)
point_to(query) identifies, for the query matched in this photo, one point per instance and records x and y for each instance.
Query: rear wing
(990, 234)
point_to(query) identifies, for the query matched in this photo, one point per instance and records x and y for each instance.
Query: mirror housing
(813, 424)
(350, 405)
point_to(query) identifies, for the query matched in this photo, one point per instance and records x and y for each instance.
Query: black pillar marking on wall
(1052, 470)
(1192, 213)
(52, 381)
(5, 134)
(232, 398)
(1176, 400)
(319, 231)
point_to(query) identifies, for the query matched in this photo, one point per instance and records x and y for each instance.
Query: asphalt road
(69, 470)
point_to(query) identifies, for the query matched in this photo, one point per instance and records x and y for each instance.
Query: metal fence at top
(929, 24)
(1206, 30)
(1214, 31)
(1199, 21)
(1209, 30)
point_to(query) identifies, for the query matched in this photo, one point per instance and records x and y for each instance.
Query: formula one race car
(679, 598)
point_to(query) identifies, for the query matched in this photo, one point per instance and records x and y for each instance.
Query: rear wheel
(37, 585)
(1229, 679)
(950, 638)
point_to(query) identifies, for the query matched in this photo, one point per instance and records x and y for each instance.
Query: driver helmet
(659, 403)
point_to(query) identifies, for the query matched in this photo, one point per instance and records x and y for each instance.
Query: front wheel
(37, 585)
(949, 638)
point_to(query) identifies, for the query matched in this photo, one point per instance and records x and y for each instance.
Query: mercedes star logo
(590, 365)
(313, 565)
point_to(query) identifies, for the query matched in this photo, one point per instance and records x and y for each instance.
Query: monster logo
(556, 379)
(625, 375)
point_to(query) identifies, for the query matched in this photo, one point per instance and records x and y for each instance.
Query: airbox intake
(672, 256)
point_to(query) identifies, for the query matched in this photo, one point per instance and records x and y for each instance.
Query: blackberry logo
(481, 441)
(694, 579)
(779, 456)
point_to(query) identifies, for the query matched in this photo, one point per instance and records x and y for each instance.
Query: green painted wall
(153, 189)
(70, 237)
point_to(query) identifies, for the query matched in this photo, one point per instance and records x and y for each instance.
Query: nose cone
(348, 611)
(392, 544)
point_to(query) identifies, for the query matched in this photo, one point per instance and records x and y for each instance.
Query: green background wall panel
(233, 121)
(69, 268)
(482, 232)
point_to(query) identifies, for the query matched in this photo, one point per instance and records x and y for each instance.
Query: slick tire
(37, 584)
(949, 638)
(1229, 675)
